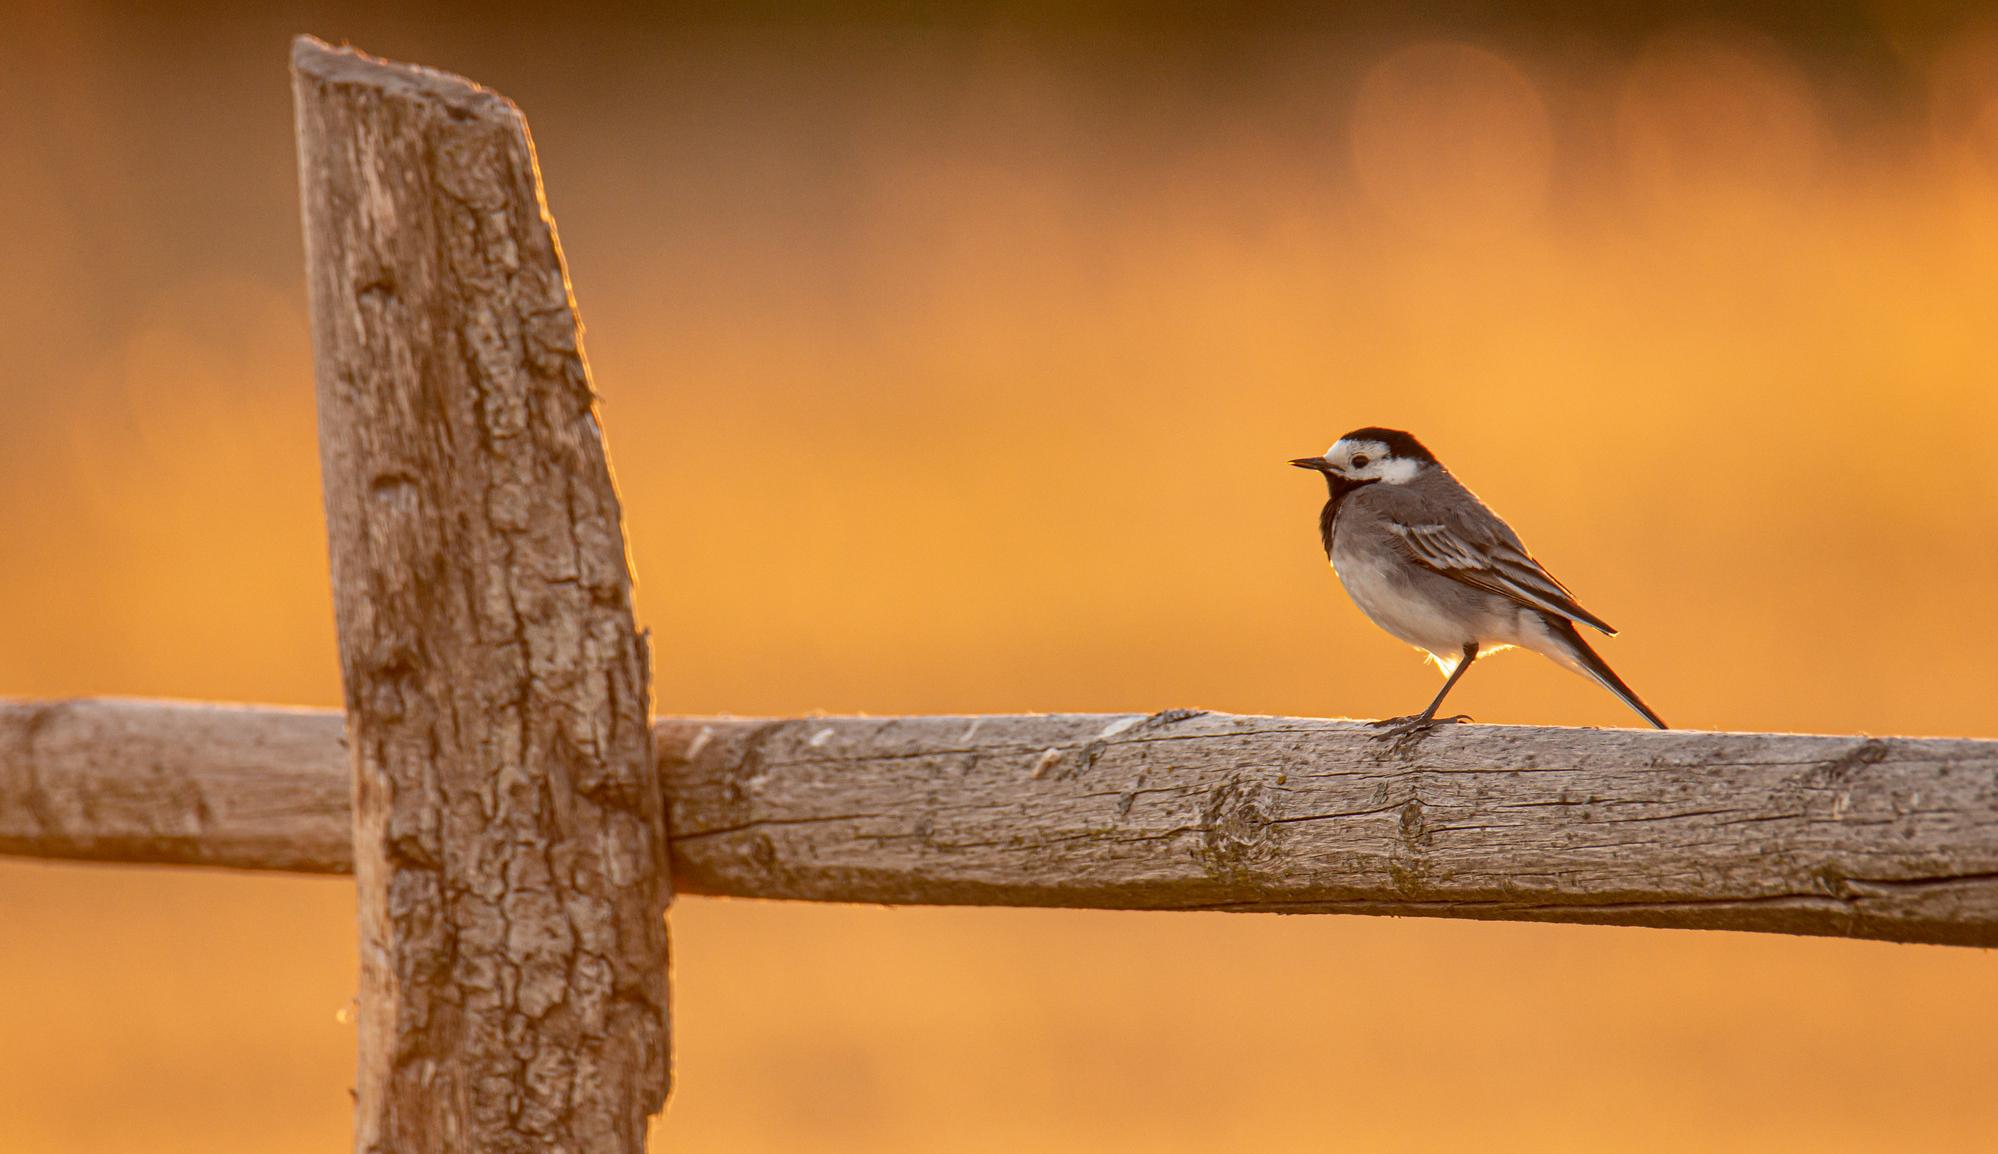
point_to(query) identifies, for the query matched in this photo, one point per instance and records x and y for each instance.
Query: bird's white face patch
(1370, 461)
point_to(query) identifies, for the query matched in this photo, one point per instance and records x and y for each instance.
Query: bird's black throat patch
(1337, 489)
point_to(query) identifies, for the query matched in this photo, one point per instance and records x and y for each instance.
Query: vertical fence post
(510, 848)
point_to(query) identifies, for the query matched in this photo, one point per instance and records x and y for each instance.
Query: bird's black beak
(1318, 463)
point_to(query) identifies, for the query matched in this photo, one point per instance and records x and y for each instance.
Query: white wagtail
(1424, 558)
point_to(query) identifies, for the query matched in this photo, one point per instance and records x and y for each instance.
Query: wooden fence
(517, 823)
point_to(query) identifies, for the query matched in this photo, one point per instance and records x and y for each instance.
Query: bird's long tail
(1587, 662)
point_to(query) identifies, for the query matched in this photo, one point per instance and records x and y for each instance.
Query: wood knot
(1831, 882)
(1236, 832)
(397, 490)
(760, 851)
(1408, 868)
(1414, 826)
(1838, 770)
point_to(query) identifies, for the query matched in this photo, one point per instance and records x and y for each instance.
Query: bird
(1426, 561)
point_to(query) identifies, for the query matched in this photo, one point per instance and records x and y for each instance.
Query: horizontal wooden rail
(1890, 838)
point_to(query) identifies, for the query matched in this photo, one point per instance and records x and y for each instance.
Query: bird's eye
(1360, 461)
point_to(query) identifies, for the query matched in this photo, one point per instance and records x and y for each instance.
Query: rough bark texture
(1892, 838)
(509, 841)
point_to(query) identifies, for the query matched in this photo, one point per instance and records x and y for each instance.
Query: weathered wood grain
(1857, 837)
(1891, 838)
(509, 840)
(176, 783)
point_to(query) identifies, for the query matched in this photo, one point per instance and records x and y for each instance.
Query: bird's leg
(1403, 726)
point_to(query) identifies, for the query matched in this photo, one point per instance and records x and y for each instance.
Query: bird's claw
(1401, 729)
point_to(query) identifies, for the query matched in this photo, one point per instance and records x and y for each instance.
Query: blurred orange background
(950, 362)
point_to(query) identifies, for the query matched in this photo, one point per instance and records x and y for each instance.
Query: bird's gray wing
(1482, 553)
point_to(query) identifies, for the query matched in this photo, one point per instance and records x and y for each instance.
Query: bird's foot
(1403, 729)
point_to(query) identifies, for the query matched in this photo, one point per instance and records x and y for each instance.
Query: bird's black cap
(1399, 443)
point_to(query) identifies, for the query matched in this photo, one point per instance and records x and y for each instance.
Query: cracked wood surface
(1891, 838)
(508, 830)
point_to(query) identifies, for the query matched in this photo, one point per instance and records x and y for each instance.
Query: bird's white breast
(1382, 589)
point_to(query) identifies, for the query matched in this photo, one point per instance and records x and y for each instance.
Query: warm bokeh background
(950, 363)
